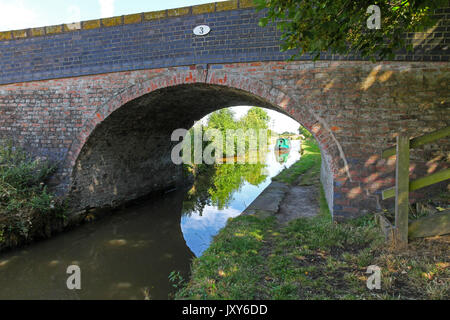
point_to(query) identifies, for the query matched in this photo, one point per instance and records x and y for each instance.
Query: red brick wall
(354, 109)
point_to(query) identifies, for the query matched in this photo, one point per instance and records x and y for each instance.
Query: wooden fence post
(402, 189)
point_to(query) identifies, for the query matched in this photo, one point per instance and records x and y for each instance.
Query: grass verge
(308, 167)
(314, 258)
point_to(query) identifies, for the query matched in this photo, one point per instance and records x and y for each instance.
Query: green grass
(231, 268)
(309, 258)
(255, 258)
(314, 258)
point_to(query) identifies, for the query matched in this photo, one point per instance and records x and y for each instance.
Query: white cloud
(281, 123)
(106, 8)
(15, 15)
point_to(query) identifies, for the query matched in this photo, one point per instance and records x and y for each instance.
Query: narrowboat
(283, 144)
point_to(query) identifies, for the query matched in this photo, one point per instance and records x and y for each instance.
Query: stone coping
(126, 19)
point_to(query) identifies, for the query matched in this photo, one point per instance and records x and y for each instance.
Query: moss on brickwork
(132, 18)
(18, 34)
(110, 22)
(226, 5)
(204, 8)
(155, 15)
(36, 32)
(127, 19)
(53, 29)
(6, 35)
(246, 3)
(178, 12)
(91, 24)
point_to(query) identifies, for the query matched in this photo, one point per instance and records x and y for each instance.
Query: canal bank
(293, 192)
(260, 255)
(130, 252)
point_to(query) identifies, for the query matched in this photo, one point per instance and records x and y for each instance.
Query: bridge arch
(123, 151)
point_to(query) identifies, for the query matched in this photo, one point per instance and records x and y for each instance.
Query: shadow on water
(120, 256)
(131, 253)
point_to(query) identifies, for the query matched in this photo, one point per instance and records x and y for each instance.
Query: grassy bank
(27, 208)
(314, 258)
(308, 168)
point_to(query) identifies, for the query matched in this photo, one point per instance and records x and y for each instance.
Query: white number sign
(202, 30)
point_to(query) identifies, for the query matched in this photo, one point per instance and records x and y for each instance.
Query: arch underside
(128, 154)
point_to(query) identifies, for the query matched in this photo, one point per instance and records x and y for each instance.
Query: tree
(222, 120)
(340, 26)
(256, 118)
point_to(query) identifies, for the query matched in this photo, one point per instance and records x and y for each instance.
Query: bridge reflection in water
(130, 254)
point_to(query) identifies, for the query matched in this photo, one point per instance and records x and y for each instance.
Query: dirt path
(299, 202)
(287, 202)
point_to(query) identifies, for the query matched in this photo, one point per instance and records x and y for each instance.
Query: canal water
(130, 254)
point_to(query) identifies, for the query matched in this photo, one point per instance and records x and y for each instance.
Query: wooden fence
(402, 184)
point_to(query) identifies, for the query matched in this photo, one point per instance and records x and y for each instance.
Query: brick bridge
(102, 98)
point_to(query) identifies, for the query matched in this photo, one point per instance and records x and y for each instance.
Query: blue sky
(22, 14)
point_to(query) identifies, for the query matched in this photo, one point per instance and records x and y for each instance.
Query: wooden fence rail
(402, 184)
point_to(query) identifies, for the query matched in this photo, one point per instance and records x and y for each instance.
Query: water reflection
(130, 254)
(224, 191)
(281, 156)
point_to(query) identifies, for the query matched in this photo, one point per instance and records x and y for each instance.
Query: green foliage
(176, 279)
(215, 184)
(228, 178)
(199, 131)
(22, 181)
(18, 172)
(302, 130)
(340, 26)
(199, 197)
(256, 118)
(23, 193)
(223, 120)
